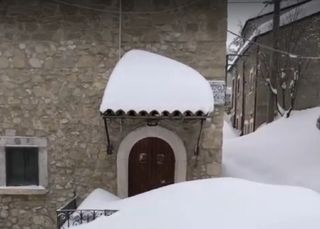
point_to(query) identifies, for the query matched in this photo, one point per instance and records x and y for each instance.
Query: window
(23, 165)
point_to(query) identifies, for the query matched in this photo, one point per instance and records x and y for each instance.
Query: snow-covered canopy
(145, 82)
(293, 15)
(223, 203)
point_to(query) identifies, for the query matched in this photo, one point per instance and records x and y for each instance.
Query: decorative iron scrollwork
(69, 216)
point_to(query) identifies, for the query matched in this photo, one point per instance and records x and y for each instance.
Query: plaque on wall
(218, 91)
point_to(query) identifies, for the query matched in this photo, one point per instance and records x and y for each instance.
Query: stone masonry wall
(55, 61)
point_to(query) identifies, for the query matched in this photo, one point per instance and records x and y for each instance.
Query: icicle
(283, 74)
(274, 91)
(291, 85)
(295, 75)
(259, 67)
(293, 56)
(281, 110)
(251, 71)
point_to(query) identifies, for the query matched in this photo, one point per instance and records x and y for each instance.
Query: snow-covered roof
(146, 82)
(305, 10)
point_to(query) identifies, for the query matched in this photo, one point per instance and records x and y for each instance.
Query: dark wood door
(151, 165)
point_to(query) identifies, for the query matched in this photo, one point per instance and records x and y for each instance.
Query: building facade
(55, 60)
(298, 80)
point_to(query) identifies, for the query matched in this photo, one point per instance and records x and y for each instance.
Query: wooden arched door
(151, 165)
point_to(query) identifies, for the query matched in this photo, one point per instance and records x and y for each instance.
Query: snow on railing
(69, 216)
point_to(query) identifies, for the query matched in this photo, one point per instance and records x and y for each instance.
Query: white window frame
(18, 141)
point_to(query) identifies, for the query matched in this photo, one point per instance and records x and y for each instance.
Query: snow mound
(96, 198)
(285, 151)
(223, 203)
(144, 81)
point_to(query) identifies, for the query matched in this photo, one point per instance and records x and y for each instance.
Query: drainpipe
(243, 97)
(255, 90)
(109, 145)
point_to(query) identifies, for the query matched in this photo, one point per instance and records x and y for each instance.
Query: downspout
(235, 93)
(255, 89)
(109, 145)
(243, 96)
(197, 148)
(226, 79)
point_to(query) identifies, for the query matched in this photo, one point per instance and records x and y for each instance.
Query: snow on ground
(95, 198)
(287, 151)
(224, 203)
(145, 81)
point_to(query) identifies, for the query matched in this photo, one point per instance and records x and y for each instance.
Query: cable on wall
(291, 55)
(190, 3)
(120, 29)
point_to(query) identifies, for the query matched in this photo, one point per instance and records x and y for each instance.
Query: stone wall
(54, 64)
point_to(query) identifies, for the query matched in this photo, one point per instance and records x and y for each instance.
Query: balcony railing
(69, 216)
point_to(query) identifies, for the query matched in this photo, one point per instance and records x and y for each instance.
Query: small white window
(23, 165)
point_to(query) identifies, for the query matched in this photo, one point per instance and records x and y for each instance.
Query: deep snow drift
(287, 151)
(224, 203)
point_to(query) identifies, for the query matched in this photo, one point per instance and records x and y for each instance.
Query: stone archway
(159, 132)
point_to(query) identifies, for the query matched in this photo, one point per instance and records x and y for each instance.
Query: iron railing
(69, 216)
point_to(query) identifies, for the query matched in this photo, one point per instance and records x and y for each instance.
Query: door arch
(151, 165)
(180, 154)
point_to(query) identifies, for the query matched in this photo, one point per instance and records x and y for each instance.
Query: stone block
(4, 62)
(19, 61)
(35, 62)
